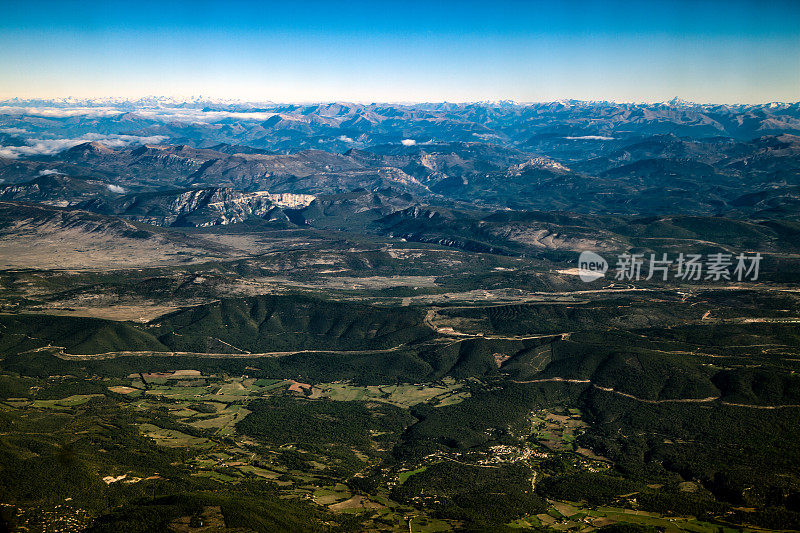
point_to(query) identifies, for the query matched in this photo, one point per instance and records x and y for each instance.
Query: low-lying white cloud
(408, 142)
(36, 147)
(121, 141)
(116, 188)
(205, 117)
(590, 138)
(50, 172)
(345, 139)
(59, 112)
(161, 114)
(13, 131)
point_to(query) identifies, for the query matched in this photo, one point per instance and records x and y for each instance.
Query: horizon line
(232, 100)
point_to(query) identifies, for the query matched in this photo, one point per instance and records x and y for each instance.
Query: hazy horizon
(112, 99)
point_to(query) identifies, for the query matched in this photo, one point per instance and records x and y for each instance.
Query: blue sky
(705, 51)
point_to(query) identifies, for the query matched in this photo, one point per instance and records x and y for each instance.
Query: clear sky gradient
(704, 51)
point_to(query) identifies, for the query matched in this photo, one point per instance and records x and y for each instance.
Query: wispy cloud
(49, 172)
(408, 142)
(121, 141)
(37, 147)
(200, 116)
(59, 112)
(160, 114)
(116, 188)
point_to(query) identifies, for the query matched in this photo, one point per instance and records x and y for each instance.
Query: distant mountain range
(354, 167)
(338, 126)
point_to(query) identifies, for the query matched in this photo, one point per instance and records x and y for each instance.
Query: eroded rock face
(544, 163)
(293, 201)
(201, 207)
